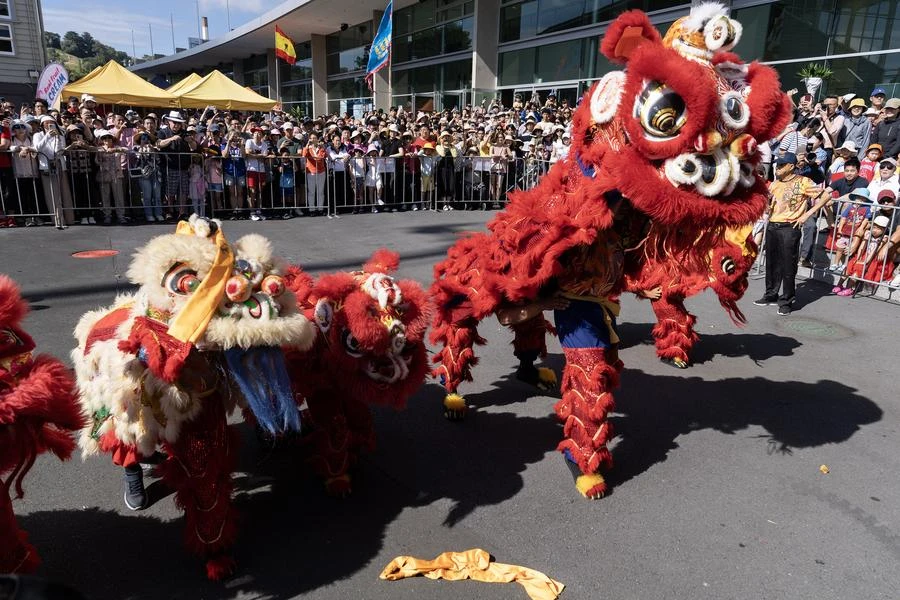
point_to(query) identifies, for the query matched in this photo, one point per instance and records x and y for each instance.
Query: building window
(6, 41)
(5, 9)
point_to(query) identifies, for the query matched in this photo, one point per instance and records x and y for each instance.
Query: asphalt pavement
(718, 491)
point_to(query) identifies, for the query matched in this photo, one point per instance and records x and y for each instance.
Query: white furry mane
(702, 13)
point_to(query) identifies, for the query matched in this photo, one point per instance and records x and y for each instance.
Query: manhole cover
(814, 328)
(94, 253)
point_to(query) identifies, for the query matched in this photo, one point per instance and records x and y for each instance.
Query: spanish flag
(284, 47)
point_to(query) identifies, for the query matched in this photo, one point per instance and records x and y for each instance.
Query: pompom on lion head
(243, 283)
(677, 130)
(373, 328)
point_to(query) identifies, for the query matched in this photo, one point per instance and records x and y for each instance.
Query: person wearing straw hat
(857, 128)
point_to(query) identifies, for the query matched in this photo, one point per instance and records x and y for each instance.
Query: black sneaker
(135, 494)
(764, 302)
(784, 310)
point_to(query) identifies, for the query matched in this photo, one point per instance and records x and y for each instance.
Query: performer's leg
(16, 554)
(674, 331)
(199, 468)
(529, 344)
(588, 380)
(329, 443)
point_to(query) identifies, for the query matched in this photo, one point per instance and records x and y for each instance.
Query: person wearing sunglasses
(886, 178)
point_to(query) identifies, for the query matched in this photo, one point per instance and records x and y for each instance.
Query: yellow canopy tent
(218, 90)
(114, 84)
(185, 83)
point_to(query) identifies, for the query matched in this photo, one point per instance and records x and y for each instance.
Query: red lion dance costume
(38, 413)
(369, 351)
(661, 167)
(166, 366)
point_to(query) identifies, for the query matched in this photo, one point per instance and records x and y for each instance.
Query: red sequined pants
(589, 377)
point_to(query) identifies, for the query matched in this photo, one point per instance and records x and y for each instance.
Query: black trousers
(782, 254)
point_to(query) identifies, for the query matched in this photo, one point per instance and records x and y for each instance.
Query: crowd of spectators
(835, 173)
(91, 166)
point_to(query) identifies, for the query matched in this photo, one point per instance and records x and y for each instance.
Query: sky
(112, 21)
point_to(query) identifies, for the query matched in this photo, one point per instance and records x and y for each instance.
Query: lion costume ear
(382, 261)
(626, 33)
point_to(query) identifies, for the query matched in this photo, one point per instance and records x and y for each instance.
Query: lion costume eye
(660, 110)
(181, 280)
(351, 344)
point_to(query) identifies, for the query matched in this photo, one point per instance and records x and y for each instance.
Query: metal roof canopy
(299, 19)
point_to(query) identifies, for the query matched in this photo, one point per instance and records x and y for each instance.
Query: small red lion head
(729, 267)
(372, 328)
(677, 130)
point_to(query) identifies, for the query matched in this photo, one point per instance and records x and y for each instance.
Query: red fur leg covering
(589, 377)
(674, 331)
(340, 430)
(199, 469)
(16, 554)
(531, 337)
(456, 356)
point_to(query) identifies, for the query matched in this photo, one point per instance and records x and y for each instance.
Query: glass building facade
(443, 48)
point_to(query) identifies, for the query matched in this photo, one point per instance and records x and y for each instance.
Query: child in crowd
(357, 166)
(109, 177)
(853, 214)
(150, 181)
(215, 181)
(25, 168)
(197, 186)
(865, 263)
(373, 178)
(235, 172)
(286, 180)
(869, 165)
(427, 161)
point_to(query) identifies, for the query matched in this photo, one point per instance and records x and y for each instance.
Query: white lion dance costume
(166, 366)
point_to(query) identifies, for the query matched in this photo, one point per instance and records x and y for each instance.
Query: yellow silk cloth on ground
(475, 564)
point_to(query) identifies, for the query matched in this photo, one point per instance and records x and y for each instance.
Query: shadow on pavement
(657, 409)
(758, 347)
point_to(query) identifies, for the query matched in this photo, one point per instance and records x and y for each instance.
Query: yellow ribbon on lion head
(190, 323)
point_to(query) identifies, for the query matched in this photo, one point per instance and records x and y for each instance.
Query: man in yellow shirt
(789, 198)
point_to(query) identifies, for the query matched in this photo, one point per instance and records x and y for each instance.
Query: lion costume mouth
(390, 368)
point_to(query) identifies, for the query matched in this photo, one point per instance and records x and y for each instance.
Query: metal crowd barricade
(147, 185)
(27, 196)
(839, 254)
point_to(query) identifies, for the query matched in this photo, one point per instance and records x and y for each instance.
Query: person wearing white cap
(48, 143)
(25, 168)
(174, 142)
(871, 261)
(886, 177)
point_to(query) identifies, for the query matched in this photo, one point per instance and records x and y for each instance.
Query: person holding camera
(49, 143)
(257, 150)
(176, 145)
(314, 154)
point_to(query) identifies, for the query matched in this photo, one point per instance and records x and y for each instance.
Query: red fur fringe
(12, 307)
(165, 355)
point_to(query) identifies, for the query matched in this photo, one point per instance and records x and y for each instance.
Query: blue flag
(380, 53)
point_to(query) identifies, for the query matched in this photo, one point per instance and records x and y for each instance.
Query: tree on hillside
(80, 46)
(52, 40)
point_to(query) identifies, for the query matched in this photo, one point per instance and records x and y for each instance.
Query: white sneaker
(415, 208)
(895, 282)
(255, 217)
(84, 221)
(92, 221)
(151, 219)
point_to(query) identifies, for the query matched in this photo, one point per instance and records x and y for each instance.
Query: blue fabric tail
(262, 377)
